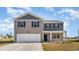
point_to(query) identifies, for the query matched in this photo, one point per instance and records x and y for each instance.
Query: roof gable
(28, 16)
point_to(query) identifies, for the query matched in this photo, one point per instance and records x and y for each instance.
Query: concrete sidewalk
(22, 47)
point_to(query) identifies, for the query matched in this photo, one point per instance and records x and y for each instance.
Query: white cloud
(66, 25)
(66, 17)
(11, 11)
(16, 12)
(26, 8)
(7, 25)
(20, 11)
(6, 21)
(72, 12)
(51, 9)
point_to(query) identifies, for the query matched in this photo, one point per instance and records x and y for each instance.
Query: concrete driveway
(22, 47)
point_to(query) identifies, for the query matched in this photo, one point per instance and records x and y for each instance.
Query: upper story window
(53, 25)
(58, 25)
(46, 25)
(35, 23)
(21, 24)
(49, 25)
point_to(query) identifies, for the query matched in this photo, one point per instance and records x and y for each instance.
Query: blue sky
(69, 15)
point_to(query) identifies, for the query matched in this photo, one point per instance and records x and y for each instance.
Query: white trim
(53, 31)
(28, 20)
(51, 22)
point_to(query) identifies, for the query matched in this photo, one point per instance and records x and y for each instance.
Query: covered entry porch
(52, 36)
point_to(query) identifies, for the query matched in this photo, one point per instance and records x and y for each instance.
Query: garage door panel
(28, 38)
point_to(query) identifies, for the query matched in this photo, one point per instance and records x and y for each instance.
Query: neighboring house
(31, 28)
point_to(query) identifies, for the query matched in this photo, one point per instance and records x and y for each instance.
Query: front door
(45, 37)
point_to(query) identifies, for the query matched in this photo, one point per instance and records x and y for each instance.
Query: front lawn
(5, 41)
(8, 40)
(1, 44)
(74, 46)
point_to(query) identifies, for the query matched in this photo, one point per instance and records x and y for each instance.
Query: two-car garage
(28, 38)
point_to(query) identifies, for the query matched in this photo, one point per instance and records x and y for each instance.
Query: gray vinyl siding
(28, 29)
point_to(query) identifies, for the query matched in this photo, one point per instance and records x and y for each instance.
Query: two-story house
(31, 28)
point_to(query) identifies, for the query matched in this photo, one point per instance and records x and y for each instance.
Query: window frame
(50, 26)
(21, 24)
(56, 36)
(35, 23)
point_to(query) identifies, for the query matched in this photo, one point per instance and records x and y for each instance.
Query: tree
(9, 35)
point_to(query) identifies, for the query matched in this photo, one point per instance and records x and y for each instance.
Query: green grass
(71, 45)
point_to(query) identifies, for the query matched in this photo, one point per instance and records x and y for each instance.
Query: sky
(69, 15)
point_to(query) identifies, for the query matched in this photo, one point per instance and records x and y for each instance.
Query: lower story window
(56, 35)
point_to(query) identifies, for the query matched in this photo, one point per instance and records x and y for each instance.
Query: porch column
(50, 37)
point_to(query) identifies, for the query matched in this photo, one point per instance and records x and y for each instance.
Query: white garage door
(28, 38)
